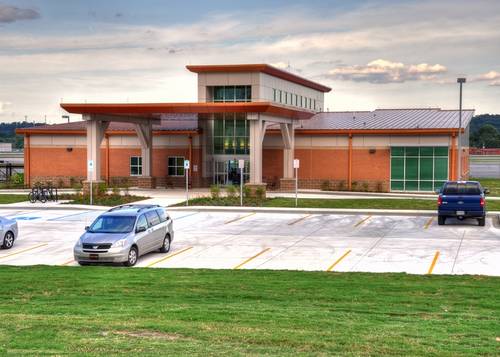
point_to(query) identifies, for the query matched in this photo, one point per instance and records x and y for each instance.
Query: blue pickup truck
(462, 199)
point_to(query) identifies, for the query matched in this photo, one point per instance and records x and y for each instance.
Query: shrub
(354, 186)
(60, 183)
(17, 179)
(325, 186)
(365, 186)
(380, 186)
(72, 182)
(78, 188)
(231, 191)
(116, 191)
(342, 185)
(214, 192)
(247, 192)
(101, 189)
(260, 193)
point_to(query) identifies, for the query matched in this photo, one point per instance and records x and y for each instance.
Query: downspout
(27, 162)
(453, 159)
(107, 160)
(191, 158)
(349, 164)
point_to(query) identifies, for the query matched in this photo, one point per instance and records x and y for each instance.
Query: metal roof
(424, 118)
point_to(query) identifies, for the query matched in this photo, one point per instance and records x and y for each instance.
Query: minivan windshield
(112, 224)
(459, 188)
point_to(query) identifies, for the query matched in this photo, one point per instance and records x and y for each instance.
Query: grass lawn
(368, 203)
(110, 310)
(491, 183)
(101, 200)
(13, 198)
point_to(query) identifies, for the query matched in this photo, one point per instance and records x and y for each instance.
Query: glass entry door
(226, 172)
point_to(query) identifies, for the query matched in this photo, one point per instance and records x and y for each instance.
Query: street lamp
(460, 81)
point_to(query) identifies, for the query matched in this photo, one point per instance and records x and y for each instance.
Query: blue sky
(374, 54)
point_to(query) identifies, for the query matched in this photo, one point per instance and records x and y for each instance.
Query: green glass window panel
(397, 168)
(240, 93)
(180, 170)
(218, 127)
(411, 185)
(438, 184)
(411, 169)
(240, 145)
(134, 161)
(248, 93)
(229, 127)
(441, 151)
(171, 171)
(218, 145)
(229, 94)
(426, 186)
(440, 169)
(229, 145)
(397, 185)
(180, 161)
(240, 128)
(411, 151)
(218, 94)
(426, 151)
(426, 168)
(171, 161)
(397, 151)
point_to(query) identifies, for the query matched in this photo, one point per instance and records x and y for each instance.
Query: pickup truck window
(462, 189)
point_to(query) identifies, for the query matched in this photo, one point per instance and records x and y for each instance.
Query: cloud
(493, 77)
(11, 14)
(4, 106)
(384, 71)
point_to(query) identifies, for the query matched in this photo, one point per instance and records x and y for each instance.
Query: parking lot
(323, 242)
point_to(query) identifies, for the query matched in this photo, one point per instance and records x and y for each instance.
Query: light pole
(460, 81)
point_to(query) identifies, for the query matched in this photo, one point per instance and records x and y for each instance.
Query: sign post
(186, 170)
(296, 165)
(90, 169)
(241, 166)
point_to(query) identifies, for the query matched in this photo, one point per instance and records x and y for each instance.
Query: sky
(373, 54)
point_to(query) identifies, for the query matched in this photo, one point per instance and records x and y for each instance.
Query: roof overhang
(155, 110)
(49, 131)
(263, 68)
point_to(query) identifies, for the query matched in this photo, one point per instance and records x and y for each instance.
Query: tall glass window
(231, 134)
(232, 93)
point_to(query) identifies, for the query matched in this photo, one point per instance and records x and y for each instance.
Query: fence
(7, 170)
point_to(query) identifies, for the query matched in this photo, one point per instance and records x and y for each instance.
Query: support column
(257, 132)
(145, 134)
(287, 183)
(453, 154)
(95, 134)
(27, 161)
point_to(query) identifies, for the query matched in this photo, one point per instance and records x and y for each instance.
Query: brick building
(263, 115)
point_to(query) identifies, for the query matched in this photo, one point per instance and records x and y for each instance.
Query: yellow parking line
(238, 218)
(429, 222)
(251, 258)
(24, 250)
(299, 220)
(362, 221)
(330, 268)
(68, 262)
(168, 257)
(434, 261)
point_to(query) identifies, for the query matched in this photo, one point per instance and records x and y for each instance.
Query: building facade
(262, 115)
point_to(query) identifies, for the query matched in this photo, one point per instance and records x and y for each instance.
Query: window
(135, 166)
(230, 134)
(232, 93)
(416, 168)
(275, 97)
(162, 214)
(141, 222)
(176, 166)
(296, 99)
(112, 224)
(153, 218)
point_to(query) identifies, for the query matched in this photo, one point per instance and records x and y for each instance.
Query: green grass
(108, 310)
(101, 200)
(349, 203)
(13, 198)
(491, 183)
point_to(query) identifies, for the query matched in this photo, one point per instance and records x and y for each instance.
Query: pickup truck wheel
(165, 248)
(441, 220)
(481, 221)
(131, 257)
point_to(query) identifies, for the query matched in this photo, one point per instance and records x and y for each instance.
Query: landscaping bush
(260, 193)
(354, 186)
(325, 186)
(214, 192)
(101, 189)
(247, 192)
(60, 183)
(17, 179)
(342, 185)
(231, 191)
(365, 186)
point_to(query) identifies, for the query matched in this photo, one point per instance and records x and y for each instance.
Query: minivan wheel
(131, 257)
(165, 248)
(441, 220)
(481, 221)
(8, 240)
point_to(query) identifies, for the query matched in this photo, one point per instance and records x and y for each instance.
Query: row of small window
(231, 145)
(400, 185)
(283, 97)
(232, 93)
(419, 151)
(175, 166)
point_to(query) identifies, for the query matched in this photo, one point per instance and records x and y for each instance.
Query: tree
(486, 137)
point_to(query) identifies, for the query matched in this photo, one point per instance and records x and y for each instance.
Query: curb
(60, 207)
(375, 212)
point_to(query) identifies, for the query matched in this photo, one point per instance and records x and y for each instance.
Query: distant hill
(8, 133)
(485, 131)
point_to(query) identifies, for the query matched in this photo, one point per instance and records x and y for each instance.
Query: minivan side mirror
(87, 228)
(486, 191)
(140, 229)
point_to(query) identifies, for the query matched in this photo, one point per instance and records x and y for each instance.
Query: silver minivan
(123, 234)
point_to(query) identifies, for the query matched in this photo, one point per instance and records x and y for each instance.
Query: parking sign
(186, 164)
(90, 165)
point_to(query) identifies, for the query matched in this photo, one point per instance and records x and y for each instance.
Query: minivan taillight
(481, 201)
(440, 200)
